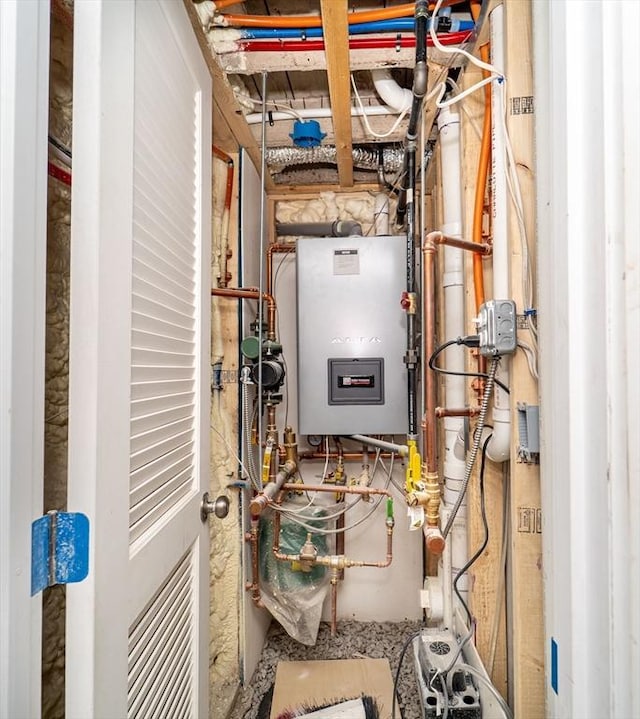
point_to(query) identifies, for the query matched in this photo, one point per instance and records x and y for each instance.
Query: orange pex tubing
(481, 183)
(316, 21)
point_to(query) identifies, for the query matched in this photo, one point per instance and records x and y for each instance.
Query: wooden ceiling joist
(336, 38)
(227, 115)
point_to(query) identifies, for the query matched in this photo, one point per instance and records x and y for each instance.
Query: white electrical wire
(344, 506)
(532, 360)
(281, 108)
(513, 181)
(495, 74)
(358, 522)
(365, 119)
(233, 453)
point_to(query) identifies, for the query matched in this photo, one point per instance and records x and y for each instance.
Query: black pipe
(406, 207)
(420, 79)
(339, 228)
(411, 357)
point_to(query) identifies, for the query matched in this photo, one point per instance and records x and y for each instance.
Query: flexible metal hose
(477, 439)
(254, 477)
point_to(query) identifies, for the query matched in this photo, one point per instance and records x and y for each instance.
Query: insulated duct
(278, 158)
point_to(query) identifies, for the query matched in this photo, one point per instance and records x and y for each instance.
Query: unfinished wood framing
(227, 115)
(525, 605)
(336, 38)
(487, 577)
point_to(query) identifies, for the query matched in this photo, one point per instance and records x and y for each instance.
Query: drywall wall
(57, 356)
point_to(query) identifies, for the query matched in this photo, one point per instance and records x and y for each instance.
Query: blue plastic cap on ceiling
(306, 133)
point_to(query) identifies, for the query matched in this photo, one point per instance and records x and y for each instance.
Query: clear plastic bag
(293, 597)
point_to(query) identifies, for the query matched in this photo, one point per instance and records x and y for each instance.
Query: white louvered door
(137, 628)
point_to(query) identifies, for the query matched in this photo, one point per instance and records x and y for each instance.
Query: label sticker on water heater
(346, 262)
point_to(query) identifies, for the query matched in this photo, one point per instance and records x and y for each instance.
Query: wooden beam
(310, 192)
(223, 136)
(239, 62)
(223, 96)
(525, 591)
(336, 34)
(486, 577)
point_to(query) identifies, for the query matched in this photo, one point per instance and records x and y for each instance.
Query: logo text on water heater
(355, 340)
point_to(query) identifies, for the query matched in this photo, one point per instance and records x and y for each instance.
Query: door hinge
(59, 549)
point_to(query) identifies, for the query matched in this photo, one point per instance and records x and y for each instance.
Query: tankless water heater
(351, 335)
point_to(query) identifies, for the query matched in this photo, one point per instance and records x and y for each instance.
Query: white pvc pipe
(317, 113)
(396, 97)
(499, 447)
(454, 326)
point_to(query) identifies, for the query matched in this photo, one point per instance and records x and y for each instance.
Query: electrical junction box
(351, 335)
(497, 328)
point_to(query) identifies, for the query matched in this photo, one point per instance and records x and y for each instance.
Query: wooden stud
(311, 192)
(487, 586)
(336, 37)
(526, 605)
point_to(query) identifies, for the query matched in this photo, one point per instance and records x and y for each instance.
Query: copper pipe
(270, 492)
(324, 488)
(482, 248)
(272, 435)
(347, 456)
(254, 585)
(429, 469)
(457, 412)
(222, 155)
(334, 600)
(284, 248)
(336, 561)
(429, 438)
(252, 293)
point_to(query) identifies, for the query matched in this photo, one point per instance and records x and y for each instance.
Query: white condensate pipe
(317, 113)
(498, 449)
(397, 97)
(454, 326)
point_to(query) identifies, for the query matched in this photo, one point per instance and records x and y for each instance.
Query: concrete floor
(376, 640)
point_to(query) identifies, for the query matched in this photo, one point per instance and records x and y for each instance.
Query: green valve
(389, 508)
(250, 347)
